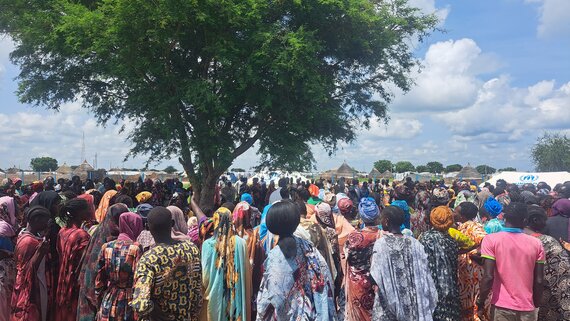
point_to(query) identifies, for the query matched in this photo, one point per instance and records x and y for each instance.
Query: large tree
(383, 165)
(206, 80)
(453, 168)
(404, 166)
(485, 169)
(551, 153)
(435, 167)
(43, 164)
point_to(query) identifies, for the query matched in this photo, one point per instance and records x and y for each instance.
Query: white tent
(520, 178)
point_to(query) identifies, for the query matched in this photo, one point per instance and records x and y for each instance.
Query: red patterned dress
(359, 283)
(71, 243)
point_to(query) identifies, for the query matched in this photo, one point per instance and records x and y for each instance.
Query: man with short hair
(514, 266)
(168, 277)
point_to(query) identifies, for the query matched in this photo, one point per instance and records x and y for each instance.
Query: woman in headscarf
(105, 232)
(470, 271)
(555, 303)
(297, 284)
(358, 250)
(226, 273)
(482, 197)
(326, 220)
(7, 264)
(51, 200)
(116, 269)
(254, 251)
(442, 252)
(30, 299)
(399, 267)
(72, 241)
(104, 205)
(558, 225)
(143, 197)
(494, 209)
(418, 220)
(180, 228)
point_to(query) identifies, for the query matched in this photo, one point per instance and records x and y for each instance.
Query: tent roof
(468, 172)
(64, 169)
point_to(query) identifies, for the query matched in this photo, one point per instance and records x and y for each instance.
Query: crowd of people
(76, 250)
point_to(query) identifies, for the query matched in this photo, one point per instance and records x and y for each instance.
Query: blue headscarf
(246, 197)
(404, 206)
(263, 226)
(493, 207)
(368, 210)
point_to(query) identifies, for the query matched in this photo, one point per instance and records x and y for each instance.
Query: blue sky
(495, 80)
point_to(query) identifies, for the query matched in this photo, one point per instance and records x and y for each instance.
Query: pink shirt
(516, 255)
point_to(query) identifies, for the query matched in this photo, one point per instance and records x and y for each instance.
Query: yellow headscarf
(104, 205)
(143, 197)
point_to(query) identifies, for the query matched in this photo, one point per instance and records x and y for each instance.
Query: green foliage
(206, 80)
(239, 170)
(422, 168)
(435, 167)
(383, 165)
(404, 166)
(508, 169)
(170, 169)
(43, 164)
(485, 169)
(453, 168)
(551, 153)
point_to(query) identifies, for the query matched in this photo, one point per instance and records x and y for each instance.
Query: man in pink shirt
(514, 265)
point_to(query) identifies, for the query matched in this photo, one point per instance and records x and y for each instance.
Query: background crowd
(357, 251)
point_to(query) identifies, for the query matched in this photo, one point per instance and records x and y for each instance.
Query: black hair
(116, 210)
(125, 199)
(71, 208)
(536, 218)
(35, 212)
(69, 194)
(498, 191)
(392, 216)
(302, 207)
(516, 214)
(229, 205)
(284, 192)
(468, 210)
(304, 194)
(282, 219)
(159, 221)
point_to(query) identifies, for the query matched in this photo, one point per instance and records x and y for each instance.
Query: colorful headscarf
(144, 209)
(404, 206)
(441, 218)
(8, 210)
(263, 227)
(143, 197)
(561, 208)
(225, 247)
(324, 215)
(104, 205)
(314, 190)
(242, 217)
(440, 196)
(130, 226)
(246, 197)
(345, 206)
(504, 199)
(402, 192)
(91, 201)
(368, 210)
(493, 207)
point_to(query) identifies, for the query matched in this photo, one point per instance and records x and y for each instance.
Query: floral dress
(442, 252)
(114, 280)
(470, 273)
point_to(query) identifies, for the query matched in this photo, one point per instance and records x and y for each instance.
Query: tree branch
(247, 144)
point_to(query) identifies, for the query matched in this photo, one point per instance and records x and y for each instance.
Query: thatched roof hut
(387, 174)
(83, 170)
(374, 173)
(346, 171)
(64, 169)
(468, 173)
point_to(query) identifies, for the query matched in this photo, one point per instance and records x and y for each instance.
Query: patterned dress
(442, 252)
(298, 288)
(555, 304)
(114, 281)
(359, 284)
(406, 290)
(71, 243)
(418, 219)
(470, 273)
(168, 277)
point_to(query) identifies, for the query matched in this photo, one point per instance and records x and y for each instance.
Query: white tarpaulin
(519, 178)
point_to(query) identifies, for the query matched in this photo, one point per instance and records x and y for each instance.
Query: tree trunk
(207, 191)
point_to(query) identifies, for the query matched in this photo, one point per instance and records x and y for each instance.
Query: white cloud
(554, 18)
(397, 127)
(448, 79)
(428, 6)
(6, 46)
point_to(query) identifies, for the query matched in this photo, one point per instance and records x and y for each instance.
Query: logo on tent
(528, 178)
